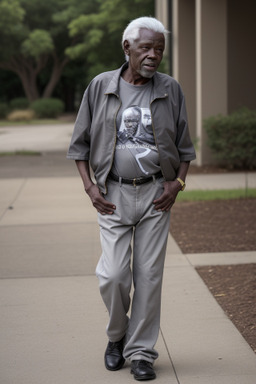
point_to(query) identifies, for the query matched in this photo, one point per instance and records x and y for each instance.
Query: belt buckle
(134, 182)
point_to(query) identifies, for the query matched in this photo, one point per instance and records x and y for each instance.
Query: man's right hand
(103, 206)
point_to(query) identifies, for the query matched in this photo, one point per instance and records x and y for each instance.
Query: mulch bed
(223, 226)
(234, 288)
(215, 226)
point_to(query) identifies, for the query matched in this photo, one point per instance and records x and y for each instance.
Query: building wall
(214, 60)
(186, 65)
(211, 78)
(162, 12)
(241, 54)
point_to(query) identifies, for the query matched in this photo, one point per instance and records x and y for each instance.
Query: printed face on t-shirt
(131, 119)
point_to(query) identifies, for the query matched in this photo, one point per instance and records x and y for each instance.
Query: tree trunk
(55, 76)
(27, 75)
(29, 86)
(28, 70)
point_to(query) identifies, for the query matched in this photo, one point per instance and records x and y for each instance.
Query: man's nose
(152, 53)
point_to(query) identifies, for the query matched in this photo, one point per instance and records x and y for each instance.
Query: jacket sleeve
(183, 141)
(79, 148)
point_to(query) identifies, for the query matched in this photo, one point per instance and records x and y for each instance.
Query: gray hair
(131, 33)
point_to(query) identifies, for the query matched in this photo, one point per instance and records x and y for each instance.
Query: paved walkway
(52, 323)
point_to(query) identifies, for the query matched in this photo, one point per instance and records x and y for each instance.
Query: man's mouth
(150, 66)
(148, 70)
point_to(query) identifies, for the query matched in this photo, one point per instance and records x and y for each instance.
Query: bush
(3, 110)
(19, 103)
(21, 115)
(45, 108)
(233, 138)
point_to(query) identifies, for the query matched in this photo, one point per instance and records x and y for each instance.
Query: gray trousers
(135, 227)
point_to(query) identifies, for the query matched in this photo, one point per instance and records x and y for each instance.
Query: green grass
(200, 195)
(20, 153)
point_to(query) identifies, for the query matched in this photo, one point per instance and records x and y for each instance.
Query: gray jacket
(94, 135)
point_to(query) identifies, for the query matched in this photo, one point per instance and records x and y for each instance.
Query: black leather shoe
(114, 355)
(142, 370)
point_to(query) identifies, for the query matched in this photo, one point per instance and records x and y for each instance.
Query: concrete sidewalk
(52, 324)
(53, 137)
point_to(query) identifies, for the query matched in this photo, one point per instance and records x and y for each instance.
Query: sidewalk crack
(10, 206)
(170, 358)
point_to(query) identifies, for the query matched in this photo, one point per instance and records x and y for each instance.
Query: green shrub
(21, 115)
(45, 108)
(3, 110)
(19, 103)
(233, 138)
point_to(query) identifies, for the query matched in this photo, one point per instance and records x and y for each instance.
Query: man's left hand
(168, 197)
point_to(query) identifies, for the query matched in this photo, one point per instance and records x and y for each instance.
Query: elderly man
(136, 186)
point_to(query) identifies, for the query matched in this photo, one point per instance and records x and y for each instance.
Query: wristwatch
(182, 183)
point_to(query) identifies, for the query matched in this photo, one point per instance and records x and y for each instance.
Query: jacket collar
(113, 86)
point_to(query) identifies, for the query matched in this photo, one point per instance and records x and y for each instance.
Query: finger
(105, 208)
(104, 204)
(164, 206)
(104, 212)
(169, 208)
(161, 207)
(159, 202)
(109, 208)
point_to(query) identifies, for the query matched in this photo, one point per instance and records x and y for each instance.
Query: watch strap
(182, 183)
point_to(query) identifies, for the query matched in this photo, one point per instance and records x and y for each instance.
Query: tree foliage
(41, 38)
(30, 39)
(100, 33)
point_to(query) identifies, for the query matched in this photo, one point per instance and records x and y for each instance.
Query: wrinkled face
(146, 53)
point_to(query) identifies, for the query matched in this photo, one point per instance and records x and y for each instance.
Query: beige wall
(241, 54)
(183, 36)
(212, 79)
(162, 13)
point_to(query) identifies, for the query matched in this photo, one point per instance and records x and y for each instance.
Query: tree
(40, 38)
(33, 36)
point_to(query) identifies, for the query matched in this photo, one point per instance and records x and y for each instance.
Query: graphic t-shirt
(136, 153)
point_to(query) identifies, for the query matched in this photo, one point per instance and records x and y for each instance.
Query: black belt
(135, 181)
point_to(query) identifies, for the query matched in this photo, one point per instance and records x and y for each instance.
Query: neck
(134, 78)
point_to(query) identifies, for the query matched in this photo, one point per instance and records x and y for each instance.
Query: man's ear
(126, 47)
